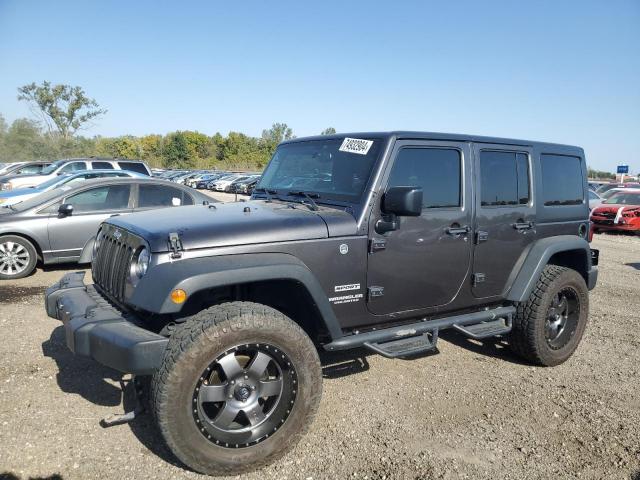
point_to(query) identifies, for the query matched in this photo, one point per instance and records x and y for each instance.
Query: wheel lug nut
(246, 377)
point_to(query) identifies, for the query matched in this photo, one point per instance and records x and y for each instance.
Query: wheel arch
(278, 280)
(565, 250)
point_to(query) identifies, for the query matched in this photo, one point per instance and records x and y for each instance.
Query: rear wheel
(548, 327)
(239, 385)
(18, 257)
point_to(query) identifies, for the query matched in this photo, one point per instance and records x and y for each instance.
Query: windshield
(38, 199)
(51, 168)
(336, 169)
(624, 198)
(54, 181)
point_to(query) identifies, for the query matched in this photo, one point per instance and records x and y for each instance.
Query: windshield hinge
(175, 245)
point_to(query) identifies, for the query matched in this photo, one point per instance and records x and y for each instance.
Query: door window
(437, 170)
(102, 165)
(111, 197)
(504, 178)
(29, 170)
(73, 166)
(162, 196)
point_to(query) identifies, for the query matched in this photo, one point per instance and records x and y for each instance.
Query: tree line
(63, 110)
(26, 139)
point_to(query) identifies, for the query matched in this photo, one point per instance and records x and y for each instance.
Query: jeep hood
(240, 223)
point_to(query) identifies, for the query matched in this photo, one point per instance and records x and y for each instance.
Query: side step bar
(406, 346)
(476, 323)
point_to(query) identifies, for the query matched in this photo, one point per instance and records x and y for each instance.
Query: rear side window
(436, 170)
(562, 182)
(134, 167)
(73, 167)
(162, 196)
(30, 169)
(102, 165)
(504, 178)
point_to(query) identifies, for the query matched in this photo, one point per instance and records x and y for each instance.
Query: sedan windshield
(336, 169)
(624, 198)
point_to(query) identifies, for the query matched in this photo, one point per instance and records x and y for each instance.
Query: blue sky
(561, 71)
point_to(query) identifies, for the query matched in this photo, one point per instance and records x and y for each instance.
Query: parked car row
(230, 182)
(50, 211)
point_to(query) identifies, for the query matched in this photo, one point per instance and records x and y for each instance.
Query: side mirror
(403, 201)
(65, 210)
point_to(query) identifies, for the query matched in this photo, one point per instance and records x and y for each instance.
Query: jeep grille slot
(110, 267)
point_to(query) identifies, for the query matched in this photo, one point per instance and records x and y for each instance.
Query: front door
(505, 218)
(68, 235)
(425, 261)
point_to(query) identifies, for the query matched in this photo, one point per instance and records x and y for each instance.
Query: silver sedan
(59, 226)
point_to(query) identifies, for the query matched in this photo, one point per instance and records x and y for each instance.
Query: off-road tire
(527, 338)
(30, 251)
(193, 346)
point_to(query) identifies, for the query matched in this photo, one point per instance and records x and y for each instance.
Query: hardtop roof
(449, 137)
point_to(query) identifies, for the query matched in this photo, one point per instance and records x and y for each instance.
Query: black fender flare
(196, 274)
(87, 251)
(538, 257)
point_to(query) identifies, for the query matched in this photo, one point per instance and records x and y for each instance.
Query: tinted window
(562, 182)
(624, 198)
(112, 197)
(504, 178)
(436, 170)
(162, 196)
(102, 165)
(73, 166)
(134, 167)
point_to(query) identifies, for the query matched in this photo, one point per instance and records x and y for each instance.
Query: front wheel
(548, 327)
(18, 257)
(239, 385)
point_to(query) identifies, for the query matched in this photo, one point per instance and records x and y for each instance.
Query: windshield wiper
(267, 191)
(308, 196)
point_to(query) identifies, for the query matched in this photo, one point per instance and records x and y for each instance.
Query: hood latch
(175, 245)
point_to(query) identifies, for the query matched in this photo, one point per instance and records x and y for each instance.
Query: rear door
(506, 215)
(424, 263)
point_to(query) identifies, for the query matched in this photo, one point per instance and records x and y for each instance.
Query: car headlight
(141, 263)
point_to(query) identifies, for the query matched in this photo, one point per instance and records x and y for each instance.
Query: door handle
(457, 231)
(522, 226)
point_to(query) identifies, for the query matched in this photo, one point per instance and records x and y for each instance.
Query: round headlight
(142, 262)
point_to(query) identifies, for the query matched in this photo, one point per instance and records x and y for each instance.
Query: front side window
(504, 178)
(562, 181)
(437, 171)
(151, 196)
(335, 169)
(111, 197)
(73, 166)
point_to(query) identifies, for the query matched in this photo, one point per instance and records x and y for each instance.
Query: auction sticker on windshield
(356, 145)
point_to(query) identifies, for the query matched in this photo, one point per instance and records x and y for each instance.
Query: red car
(621, 212)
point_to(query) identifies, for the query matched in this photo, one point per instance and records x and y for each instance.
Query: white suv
(62, 167)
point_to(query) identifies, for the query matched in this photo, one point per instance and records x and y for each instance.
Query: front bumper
(96, 329)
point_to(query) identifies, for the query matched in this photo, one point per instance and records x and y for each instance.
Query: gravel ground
(471, 411)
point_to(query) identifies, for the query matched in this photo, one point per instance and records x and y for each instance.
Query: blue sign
(623, 169)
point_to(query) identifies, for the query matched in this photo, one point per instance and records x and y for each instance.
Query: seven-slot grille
(111, 265)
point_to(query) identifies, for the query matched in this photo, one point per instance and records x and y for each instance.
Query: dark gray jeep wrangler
(376, 240)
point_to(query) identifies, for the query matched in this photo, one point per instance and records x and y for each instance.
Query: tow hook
(121, 418)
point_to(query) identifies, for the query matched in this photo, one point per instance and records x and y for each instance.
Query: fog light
(178, 296)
